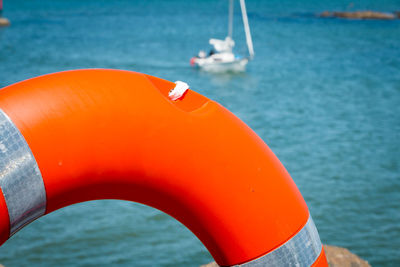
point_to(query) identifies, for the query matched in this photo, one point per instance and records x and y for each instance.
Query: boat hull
(237, 65)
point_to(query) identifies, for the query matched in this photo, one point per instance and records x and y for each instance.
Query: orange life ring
(106, 134)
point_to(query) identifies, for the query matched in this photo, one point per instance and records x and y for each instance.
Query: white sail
(230, 19)
(247, 29)
(221, 58)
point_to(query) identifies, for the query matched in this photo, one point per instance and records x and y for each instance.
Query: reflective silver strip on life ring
(20, 178)
(303, 249)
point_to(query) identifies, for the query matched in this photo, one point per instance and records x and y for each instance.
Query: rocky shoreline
(360, 15)
(336, 256)
(4, 22)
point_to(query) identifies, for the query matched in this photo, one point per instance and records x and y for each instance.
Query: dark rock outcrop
(336, 256)
(4, 22)
(358, 15)
(342, 257)
(211, 264)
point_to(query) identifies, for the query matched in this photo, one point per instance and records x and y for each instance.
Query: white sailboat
(221, 58)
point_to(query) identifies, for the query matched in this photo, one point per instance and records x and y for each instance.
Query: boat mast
(230, 19)
(247, 29)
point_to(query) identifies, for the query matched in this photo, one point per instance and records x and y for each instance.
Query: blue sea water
(324, 94)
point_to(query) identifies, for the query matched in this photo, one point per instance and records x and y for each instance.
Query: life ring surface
(83, 135)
